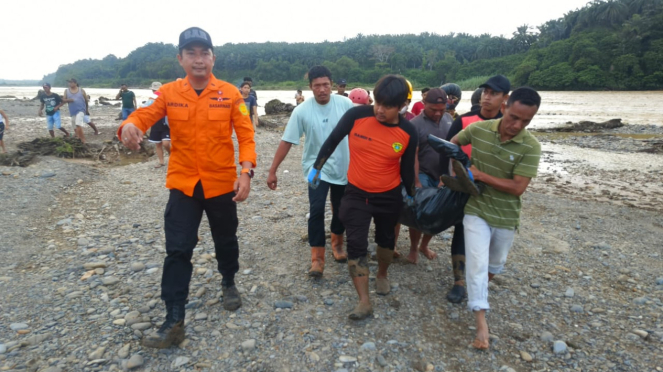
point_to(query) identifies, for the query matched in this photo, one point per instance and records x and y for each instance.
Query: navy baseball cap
(342, 82)
(195, 35)
(498, 83)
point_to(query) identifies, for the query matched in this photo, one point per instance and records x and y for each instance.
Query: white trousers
(486, 249)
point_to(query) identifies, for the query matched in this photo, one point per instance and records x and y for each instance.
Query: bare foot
(159, 165)
(431, 255)
(397, 254)
(479, 344)
(413, 257)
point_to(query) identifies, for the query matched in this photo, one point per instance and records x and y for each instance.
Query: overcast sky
(40, 35)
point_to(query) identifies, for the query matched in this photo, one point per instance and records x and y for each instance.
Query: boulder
(275, 107)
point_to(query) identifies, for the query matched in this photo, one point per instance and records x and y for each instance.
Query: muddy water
(557, 107)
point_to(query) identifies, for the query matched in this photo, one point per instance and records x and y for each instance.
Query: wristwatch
(247, 171)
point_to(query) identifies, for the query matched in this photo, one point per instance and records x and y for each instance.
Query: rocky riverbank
(82, 245)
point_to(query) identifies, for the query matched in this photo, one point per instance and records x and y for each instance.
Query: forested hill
(608, 44)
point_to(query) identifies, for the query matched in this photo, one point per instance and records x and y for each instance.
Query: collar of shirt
(212, 85)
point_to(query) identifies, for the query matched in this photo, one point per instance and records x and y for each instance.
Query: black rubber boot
(231, 299)
(456, 294)
(462, 182)
(171, 331)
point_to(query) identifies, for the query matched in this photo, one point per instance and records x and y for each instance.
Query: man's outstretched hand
(131, 136)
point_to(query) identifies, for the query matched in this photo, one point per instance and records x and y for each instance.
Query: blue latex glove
(314, 178)
(409, 201)
(469, 173)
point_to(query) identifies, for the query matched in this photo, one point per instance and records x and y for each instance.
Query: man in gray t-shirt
(436, 121)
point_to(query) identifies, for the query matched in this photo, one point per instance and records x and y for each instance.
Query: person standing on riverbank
(382, 153)
(86, 118)
(128, 101)
(341, 85)
(250, 101)
(76, 100)
(4, 125)
(505, 157)
(418, 107)
(495, 93)
(160, 132)
(52, 102)
(252, 92)
(316, 119)
(299, 97)
(202, 176)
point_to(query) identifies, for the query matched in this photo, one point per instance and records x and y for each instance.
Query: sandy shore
(585, 271)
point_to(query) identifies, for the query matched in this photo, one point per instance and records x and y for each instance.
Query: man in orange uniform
(383, 148)
(202, 175)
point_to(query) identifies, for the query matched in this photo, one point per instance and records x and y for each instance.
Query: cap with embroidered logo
(195, 35)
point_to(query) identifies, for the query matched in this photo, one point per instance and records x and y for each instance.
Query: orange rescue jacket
(201, 129)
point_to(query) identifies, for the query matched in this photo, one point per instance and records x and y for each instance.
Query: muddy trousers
(458, 252)
(182, 220)
(357, 209)
(317, 199)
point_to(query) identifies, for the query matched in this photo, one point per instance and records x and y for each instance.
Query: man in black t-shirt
(52, 102)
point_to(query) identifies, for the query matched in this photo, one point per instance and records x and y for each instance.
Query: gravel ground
(83, 246)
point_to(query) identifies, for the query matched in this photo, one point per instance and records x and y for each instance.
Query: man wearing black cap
(341, 87)
(436, 121)
(202, 176)
(495, 92)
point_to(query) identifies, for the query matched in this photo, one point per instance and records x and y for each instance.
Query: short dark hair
(425, 90)
(525, 95)
(318, 72)
(123, 84)
(391, 91)
(244, 83)
(299, 90)
(246, 78)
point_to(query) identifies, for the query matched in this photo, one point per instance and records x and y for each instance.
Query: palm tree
(612, 12)
(523, 39)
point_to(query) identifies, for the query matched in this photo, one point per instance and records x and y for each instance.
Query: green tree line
(607, 44)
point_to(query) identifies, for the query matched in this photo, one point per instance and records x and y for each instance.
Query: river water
(556, 108)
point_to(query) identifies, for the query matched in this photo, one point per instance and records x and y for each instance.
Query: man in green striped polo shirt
(505, 157)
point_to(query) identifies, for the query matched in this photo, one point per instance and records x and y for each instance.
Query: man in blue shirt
(316, 119)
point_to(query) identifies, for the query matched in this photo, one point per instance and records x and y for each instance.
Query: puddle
(601, 160)
(564, 135)
(630, 179)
